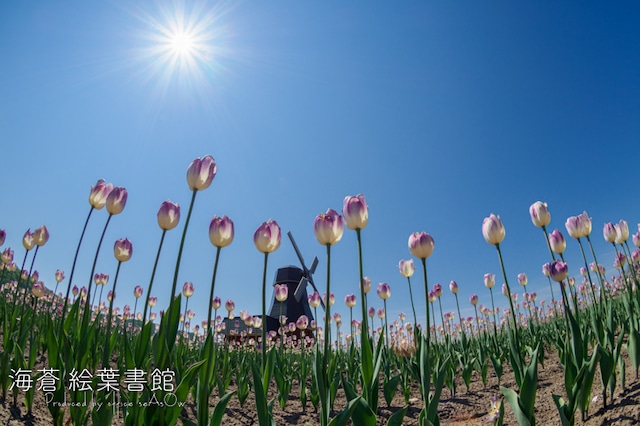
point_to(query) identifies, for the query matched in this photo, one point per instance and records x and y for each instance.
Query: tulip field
(71, 355)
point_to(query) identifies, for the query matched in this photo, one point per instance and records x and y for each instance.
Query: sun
(182, 43)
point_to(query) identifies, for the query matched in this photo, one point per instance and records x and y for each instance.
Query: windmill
(296, 279)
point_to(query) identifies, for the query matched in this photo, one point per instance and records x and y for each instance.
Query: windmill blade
(302, 286)
(295, 247)
(314, 264)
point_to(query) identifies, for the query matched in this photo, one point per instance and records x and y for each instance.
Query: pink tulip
(473, 299)
(221, 231)
(267, 237)
(187, 289)
(406, 268)
(122, 250)
(539, 213)
(384, 291)
(117, 200)
(168, 215)
(281, 292)
(559, 271)
(493, 230)
(355, 212)
(137, 291)
(59, 275)
(201, 172)
(41, 236)
(522, 279)
(350, 300)
(27, 240)
(489, 280)
(328, 227)
(421, 245)
(453, 287)
(557, 242)
(3, 236)
(99, 193)
(609, 232)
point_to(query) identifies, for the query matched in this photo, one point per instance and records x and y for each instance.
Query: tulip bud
(7, 256)
(622, 232)
(505, 290)
(187, 289)
(384, 291)
(99, 193)
(59, 275)
(75, 290)
(328, 227)
(366, 285)
(381, 313)
(168, 215)
(27, 240)
(406, 268)
(636, 239)
(281, 292)
(41, 236)
(437, 290)
(421, 245)
(137, 292)
(432, 296)
(116, 200)
(122, 249)
(3, 236)
(355, 212)
(559, 271)
(302, 323)
(216, 302)
(453, 287)
(221, 231)
(371, 312)
(350, 300)
(201, 172)
(489, 280)
(38, 289)
(314, 300)
(473, 299)
(267, 237)
(493, 230)
(557, 242)
(332, 299)
(540, 215)
(522, 279)
(609, 232)
(111, 295)
(152, 301)
(229, 305)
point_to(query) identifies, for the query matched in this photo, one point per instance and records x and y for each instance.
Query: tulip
(406, 268)
(384, 291)
(281, 292)
(381, 313)
(371, 312)
(314, 300)
(267, 237)
(59, 275)
(216, 302)
(7, 256)
(187, 289)
(355, 212)
(557, 242)
(99, 193)
(473, 299)
(111, 295)
(221, 231)
(38, 289)
(152, 301)
(350, 300)
(505, 290)
(559, 271)
(437, 290)
(28, 241)
(489, 280)
(117, 200)
(453, 287)
(609, 232)
(366, 285)
(332, 299)
(540, 215)
(493, 230)
(229, 305)
(578, 226)
(3, 236)
(168, 215)
(328, 227)
(546, 269)
(41, 235)
(75, 290)
(122, 249)
(622, 232)
(421, 245)
(431, 296)
(636, 239)
(522, 279)
(201, 172)
(137, 292)
(302, 323)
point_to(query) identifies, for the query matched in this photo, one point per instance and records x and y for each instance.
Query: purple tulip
(355, 212)
(41, 236)
(559, 271)
(539, 213)
(609, 232)
(122, 250)
(221, 231)
(117, 200)
(267, 237)
(406, 268)
(328, 227)
(453, 287)
(421, 245)
(168, 215)
(557, 242)
(493, 230)
(201, 172)
(99, 193)
(384, 291)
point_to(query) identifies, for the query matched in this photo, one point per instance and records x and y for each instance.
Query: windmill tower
(296, 279)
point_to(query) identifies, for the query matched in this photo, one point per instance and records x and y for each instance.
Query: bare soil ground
(468, 407)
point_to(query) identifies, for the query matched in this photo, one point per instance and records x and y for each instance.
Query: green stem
(264, 314)
(586, 265)
(364, 330)
(213, 286)
(506, 281)
(153, 274)
(105, 354)
(413, 308)
(327, 316)
(184, 234)
(87, 310)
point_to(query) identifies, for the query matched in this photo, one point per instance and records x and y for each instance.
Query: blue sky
(439, 112)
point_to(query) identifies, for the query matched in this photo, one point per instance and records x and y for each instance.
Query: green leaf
(264, 416)
(362, 413)
(512, 398)
(563, 410)
(390, 388)
(218, 412)
(397, 417)
(530, 384)
(342, 419)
